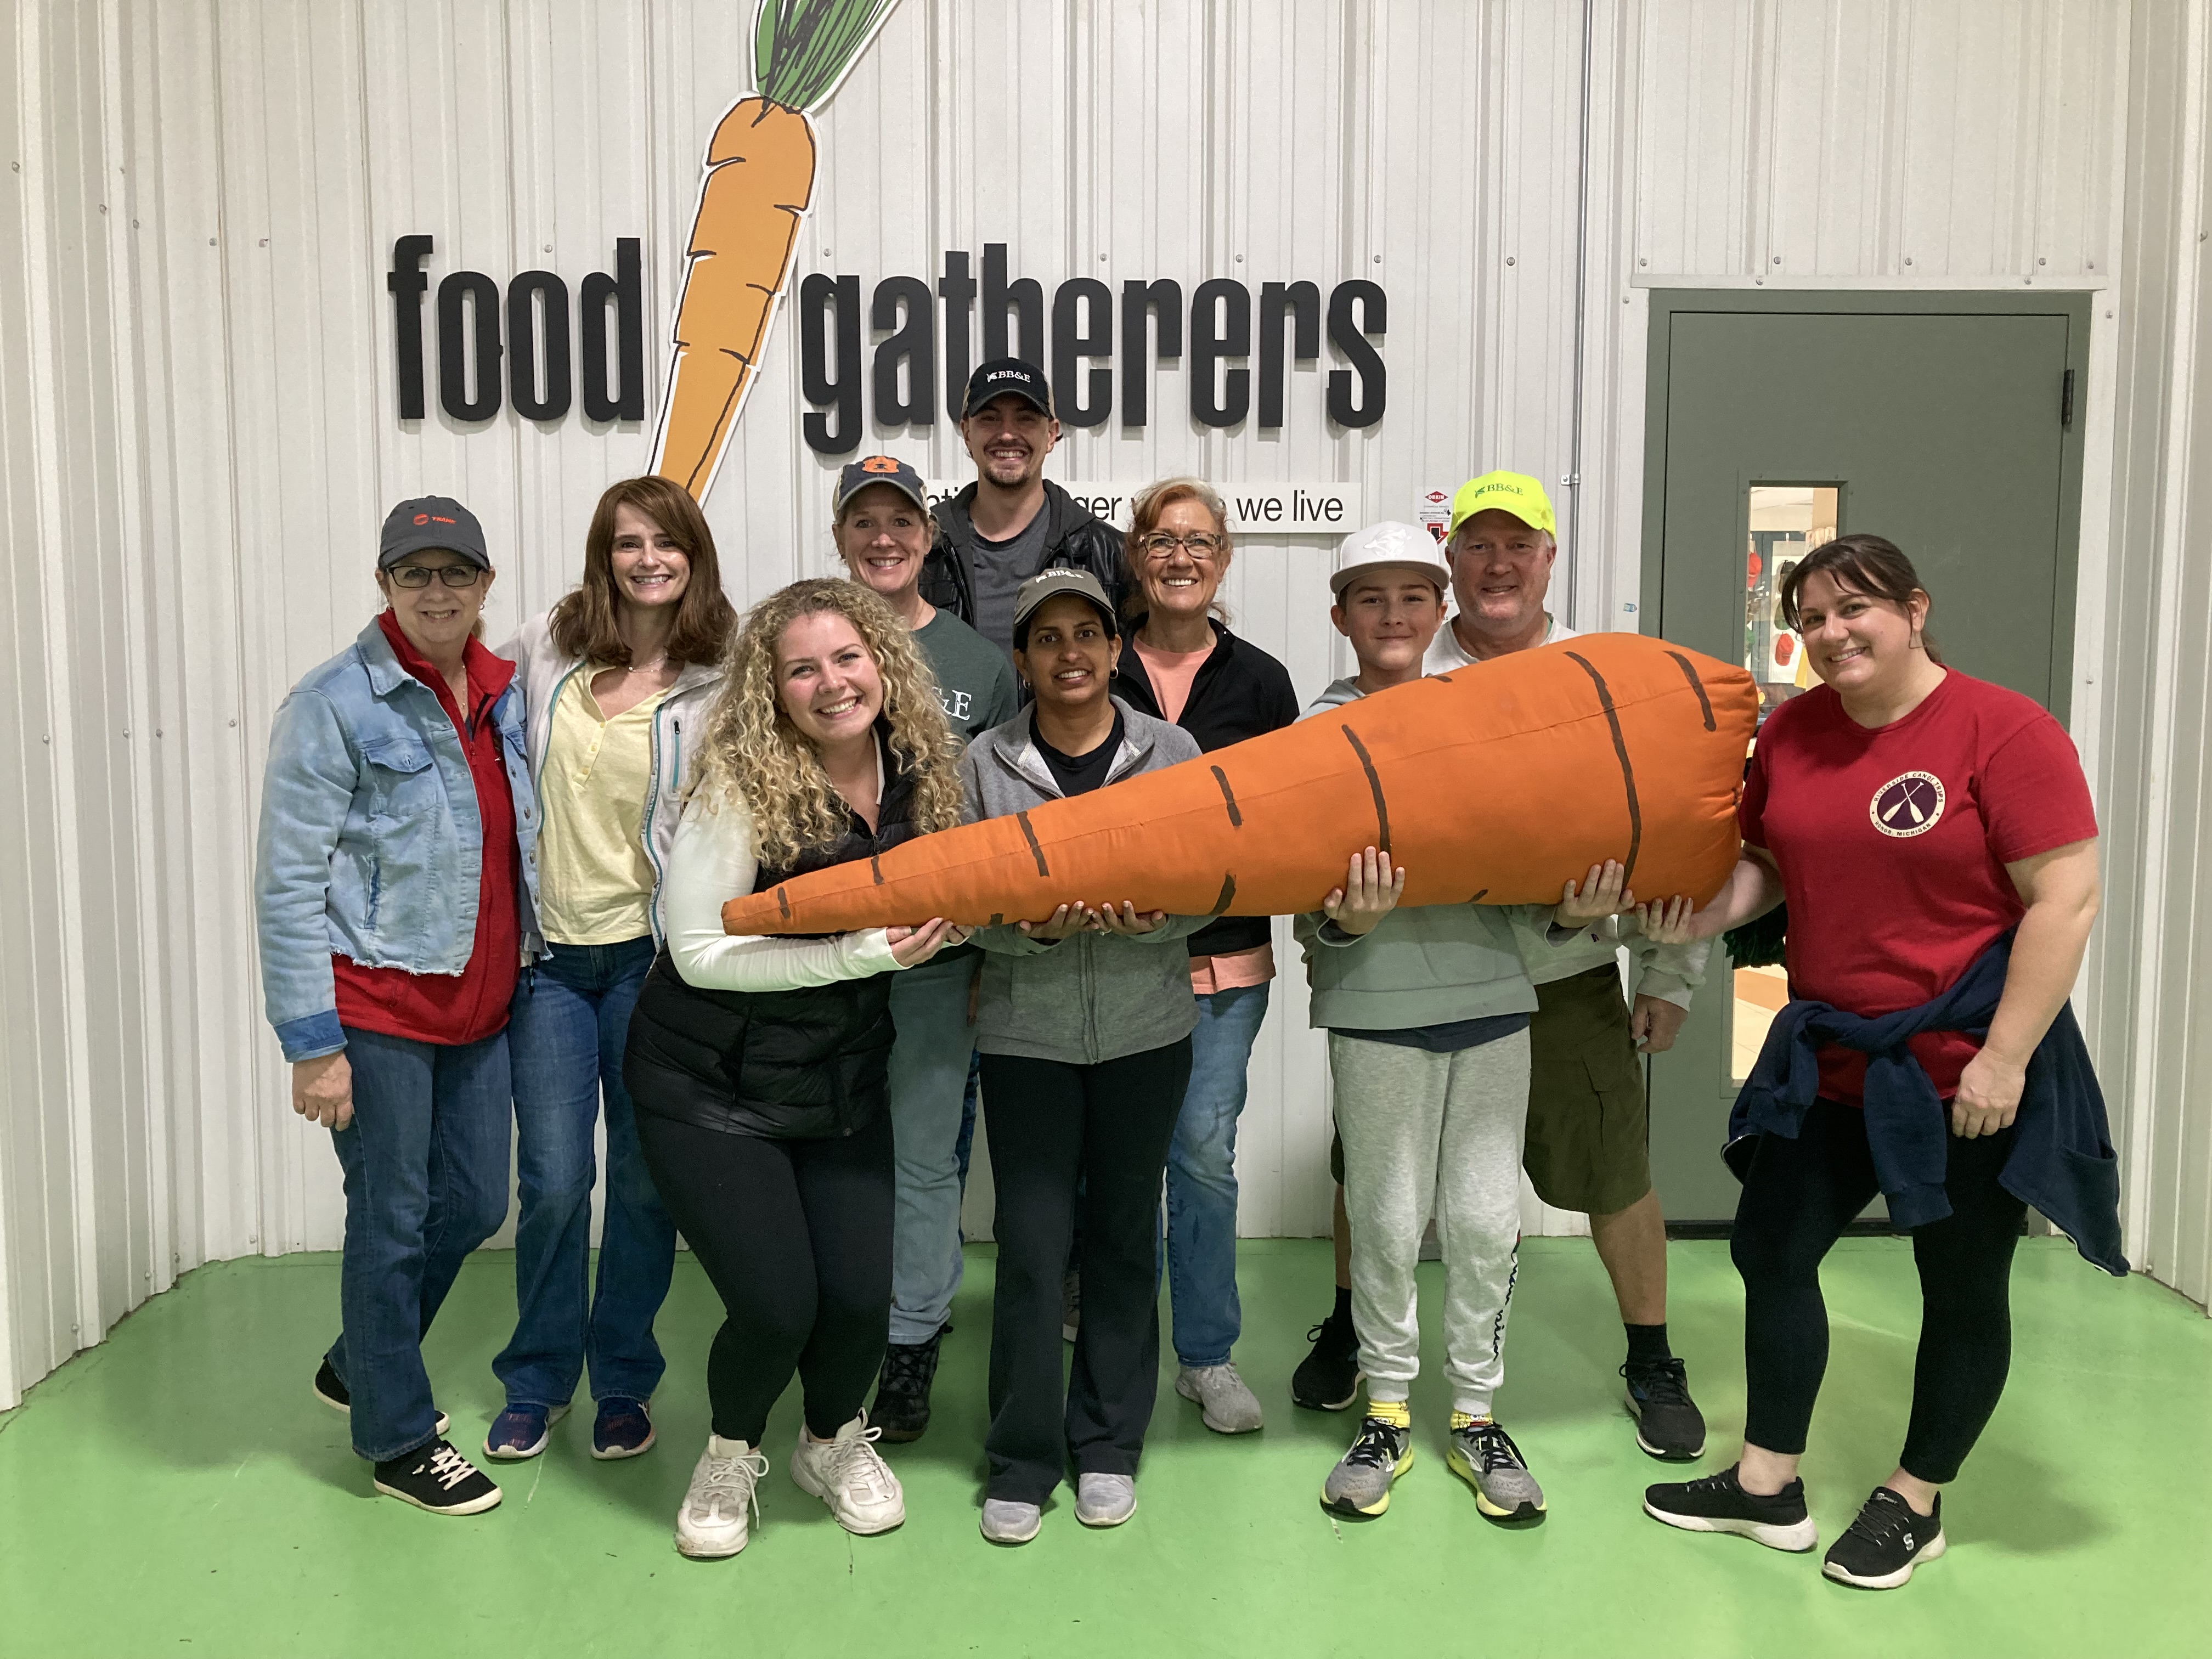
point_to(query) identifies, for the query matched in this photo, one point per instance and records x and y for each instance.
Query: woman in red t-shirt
(1911, 817)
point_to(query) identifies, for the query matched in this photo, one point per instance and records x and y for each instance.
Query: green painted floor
(177, 1490)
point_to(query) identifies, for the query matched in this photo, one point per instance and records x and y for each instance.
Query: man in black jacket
(1012, 521)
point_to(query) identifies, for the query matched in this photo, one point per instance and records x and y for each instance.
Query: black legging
(1058, 1130)
(796, 1236)
(1799, 1197)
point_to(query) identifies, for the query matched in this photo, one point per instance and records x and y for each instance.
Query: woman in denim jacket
(616, 682)
(395, 890)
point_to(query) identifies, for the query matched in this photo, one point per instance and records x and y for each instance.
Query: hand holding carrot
(912, 946)
(1371, 890)
(1128, 922)
(1600, 894)
(1068, 920)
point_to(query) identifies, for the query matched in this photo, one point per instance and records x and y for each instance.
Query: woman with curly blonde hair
(758, 1065)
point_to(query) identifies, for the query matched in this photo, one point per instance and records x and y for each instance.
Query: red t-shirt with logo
(1892, 844)
(472, 1005)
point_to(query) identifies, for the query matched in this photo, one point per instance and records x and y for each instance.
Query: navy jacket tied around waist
(2062, 1160)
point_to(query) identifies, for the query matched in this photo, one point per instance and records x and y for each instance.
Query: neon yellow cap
(1508, 492)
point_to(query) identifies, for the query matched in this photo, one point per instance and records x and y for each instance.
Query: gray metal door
(1945, 423)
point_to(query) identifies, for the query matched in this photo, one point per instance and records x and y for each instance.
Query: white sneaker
(1226, 1404)
(1105, 1500)
(718, 1510)
(848, 1475)
(1007, 1521)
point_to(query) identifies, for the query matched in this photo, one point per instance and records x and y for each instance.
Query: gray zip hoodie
(1424, 964)
(1094, 997)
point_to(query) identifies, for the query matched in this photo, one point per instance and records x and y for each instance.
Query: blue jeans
(929, 1071)
(425, 1164)
(1202, 1177)
(568, 1028)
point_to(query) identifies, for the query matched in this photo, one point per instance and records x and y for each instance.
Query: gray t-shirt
(972, 681)
(998, 569)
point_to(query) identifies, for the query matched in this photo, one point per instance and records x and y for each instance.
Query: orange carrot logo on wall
(757, 187)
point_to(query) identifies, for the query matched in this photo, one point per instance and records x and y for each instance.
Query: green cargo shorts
(1589, 1137)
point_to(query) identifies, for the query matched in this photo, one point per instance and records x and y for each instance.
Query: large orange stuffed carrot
(758, 185)
(1495, 784)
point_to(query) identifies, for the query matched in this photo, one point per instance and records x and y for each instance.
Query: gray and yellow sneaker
(1484, 1455)
(1359, 1485)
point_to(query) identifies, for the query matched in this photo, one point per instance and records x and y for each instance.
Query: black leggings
(1800, 1196)
(1070, 1141)
(796, 1236)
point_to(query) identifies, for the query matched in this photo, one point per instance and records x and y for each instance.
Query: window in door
(1787, 521)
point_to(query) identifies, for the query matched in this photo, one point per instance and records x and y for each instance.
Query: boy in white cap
(1427, 1010)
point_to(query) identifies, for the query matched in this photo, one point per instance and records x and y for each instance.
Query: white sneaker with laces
(851, 1477)
(1227, 1405)
(719, 1509)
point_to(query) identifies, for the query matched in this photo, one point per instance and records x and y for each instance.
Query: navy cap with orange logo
(857, 475)
(429, 523)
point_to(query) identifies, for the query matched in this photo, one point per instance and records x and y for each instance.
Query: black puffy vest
(811, 1063)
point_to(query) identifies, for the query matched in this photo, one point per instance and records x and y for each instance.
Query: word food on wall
(1079, 348)
(538, 381)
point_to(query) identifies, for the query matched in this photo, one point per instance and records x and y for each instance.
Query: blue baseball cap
(857, 475)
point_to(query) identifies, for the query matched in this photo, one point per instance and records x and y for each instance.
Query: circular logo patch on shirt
(1910, 804)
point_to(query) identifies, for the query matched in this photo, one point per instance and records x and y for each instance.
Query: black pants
(1050, 1126)
(1798, 1199)
(796, 1236)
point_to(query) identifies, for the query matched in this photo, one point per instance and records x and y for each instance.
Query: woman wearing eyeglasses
(395, 884)
(1186, 667)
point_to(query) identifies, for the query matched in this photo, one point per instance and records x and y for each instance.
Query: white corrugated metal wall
(200, 429)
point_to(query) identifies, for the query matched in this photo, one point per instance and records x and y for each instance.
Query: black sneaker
(332, 1392)
(1718, 1503)
(1327, 1378)
(1882, 1546)
(438, 1479)
(901, 1407)
(1668, 1424)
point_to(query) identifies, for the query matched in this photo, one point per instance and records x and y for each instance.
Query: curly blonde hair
(753, 749)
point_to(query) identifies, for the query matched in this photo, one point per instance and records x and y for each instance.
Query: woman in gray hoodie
(1084, 1024)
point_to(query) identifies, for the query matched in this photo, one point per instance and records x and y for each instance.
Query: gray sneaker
(1359, 1485)
(1484, 1455)
(1226, 1406)
(1006, 1521)
(1105, 1500)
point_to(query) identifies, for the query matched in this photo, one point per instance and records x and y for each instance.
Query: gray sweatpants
(1423, 1130)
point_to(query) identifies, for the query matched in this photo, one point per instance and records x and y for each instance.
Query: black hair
(1858, 564)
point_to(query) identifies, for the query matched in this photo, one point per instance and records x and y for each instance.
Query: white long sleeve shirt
(715, 859)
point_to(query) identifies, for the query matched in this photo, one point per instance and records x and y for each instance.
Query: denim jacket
(370, 845)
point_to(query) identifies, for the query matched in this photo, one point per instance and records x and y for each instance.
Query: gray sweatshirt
(1094, 997)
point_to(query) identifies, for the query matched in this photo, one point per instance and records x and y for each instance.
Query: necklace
(657, 664)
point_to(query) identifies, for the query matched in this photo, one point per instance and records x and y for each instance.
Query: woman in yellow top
(616, 678)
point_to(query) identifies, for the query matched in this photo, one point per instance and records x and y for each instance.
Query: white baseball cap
(1391, 545)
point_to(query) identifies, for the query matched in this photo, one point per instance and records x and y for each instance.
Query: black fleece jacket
(1240, 692)
(1073, 538)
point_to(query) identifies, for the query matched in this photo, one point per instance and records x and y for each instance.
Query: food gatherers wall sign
(757, 187)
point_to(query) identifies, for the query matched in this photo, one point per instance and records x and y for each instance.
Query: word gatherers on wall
(1079, 350)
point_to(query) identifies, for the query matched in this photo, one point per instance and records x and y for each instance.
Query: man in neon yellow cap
(1502, 544)
(1586, 1126)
